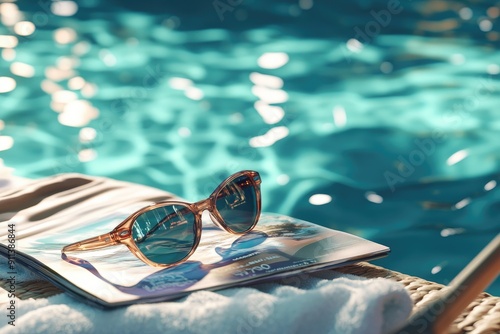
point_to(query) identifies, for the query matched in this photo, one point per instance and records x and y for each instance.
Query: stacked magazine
(38, 218)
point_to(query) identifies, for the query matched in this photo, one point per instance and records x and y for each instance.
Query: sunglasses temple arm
(101, 241)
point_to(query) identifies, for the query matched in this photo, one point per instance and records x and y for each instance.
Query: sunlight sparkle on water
(373, 197)
(7, 84)
(10, 14)
(50, 87)
(436, 269)
(270, 137)
(107, 58)
(490, 185)
(457, 157)
(283, 179)
(457, 59)
(64, 35)
(270, 114)
(87, 134)
(273, 60)
(22, 69)
(76, 83)
(64, 96)
(339, 116)
(87, 154)
(179, 83)
(493, 69)
(354, 45)
(269, 95)
(24, 28)
(64, 8)
(194, 93)
(465, 13)
(7, 41)
(266, 80)
(81, 48)
(485, 25)
(89, 90)
(463, 203)
(67, 63)
(57, 74)
(184, 132)
(57, 106)
(77, 113)
(451, 231)
(6, 142)
(320, 199)
(8, 54)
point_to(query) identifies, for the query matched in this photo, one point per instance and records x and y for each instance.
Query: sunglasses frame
(122, 233)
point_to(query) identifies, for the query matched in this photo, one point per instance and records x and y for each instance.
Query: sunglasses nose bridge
(203, 205)
(208, 204)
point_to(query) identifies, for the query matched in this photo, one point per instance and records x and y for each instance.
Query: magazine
(42, 216)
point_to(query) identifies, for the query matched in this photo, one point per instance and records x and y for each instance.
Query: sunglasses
(166, 233)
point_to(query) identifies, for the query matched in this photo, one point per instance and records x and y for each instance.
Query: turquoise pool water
(379, 118)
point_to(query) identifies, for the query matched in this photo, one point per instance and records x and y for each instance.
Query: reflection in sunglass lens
(237, 204)
(165, 235)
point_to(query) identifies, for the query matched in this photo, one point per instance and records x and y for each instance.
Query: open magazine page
(46, 220)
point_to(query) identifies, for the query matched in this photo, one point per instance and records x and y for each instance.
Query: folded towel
(323, 302)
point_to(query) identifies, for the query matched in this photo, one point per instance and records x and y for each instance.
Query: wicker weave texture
(480, 317)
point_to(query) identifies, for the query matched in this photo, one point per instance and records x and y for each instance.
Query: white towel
(324, 302)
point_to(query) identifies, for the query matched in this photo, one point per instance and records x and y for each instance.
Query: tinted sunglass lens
(237, 204)
(165, 235)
